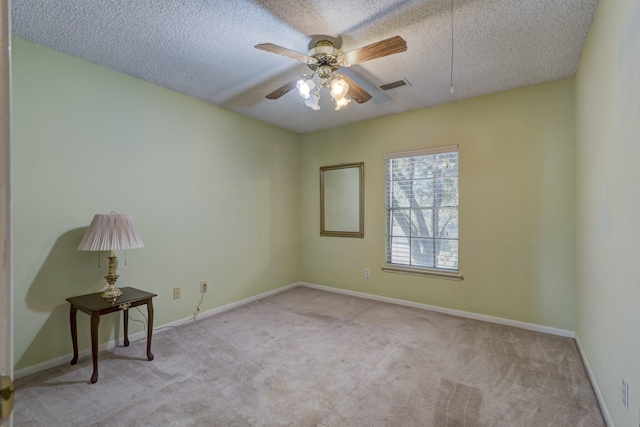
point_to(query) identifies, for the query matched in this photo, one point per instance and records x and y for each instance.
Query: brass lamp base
(112, 293)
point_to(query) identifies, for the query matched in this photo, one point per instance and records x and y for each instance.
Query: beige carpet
(311, 358)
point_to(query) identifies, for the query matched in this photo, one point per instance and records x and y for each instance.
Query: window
(422, 212)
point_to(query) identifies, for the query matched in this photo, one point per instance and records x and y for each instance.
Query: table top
(94, 302)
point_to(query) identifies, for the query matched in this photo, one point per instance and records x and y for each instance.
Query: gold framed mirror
(342, 200)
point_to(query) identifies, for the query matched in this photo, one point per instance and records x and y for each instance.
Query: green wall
(228, 199)
(608, 204)
(548, 197)
(516, 204)
(214, 194)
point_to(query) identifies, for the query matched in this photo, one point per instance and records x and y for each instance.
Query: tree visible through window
(422, 208)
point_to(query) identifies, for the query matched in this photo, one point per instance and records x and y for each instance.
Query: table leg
(74, 333)
(95, 321)
(149, 327)
(125, 317)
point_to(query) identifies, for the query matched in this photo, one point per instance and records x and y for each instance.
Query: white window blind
(422, 208)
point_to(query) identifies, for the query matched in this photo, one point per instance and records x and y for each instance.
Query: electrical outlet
(367, 273)
(625, 394)
(176, 293)
(204, 286)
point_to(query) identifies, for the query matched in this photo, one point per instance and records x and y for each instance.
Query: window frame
(442, 273)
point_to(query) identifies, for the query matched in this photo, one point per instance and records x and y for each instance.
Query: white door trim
(6, 285)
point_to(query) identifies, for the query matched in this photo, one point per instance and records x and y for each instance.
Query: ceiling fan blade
(282, 90)
(379, 49)
(270, 47)
(356, 92)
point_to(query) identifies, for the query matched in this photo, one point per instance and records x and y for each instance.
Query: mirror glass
(342, 200)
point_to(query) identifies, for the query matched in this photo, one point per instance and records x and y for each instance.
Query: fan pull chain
(452, 89)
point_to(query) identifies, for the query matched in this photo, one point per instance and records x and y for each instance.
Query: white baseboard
(86, 353)
(459, 313)
(594, 384)
(221, 309)
(62, 360)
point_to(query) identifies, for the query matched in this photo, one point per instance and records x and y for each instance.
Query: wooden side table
(95, 307)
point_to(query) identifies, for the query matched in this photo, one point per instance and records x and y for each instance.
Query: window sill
(428, 272)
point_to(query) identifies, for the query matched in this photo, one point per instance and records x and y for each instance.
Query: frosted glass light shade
(339, 89)
(313, 100)
(111, 232)
(305, 88)
(342, 102)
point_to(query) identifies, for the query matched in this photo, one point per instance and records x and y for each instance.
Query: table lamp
(111, 232)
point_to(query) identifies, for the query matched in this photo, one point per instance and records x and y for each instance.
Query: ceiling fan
(324, 60)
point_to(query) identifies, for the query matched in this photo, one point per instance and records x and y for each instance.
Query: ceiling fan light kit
(324, 60)
(339, 90)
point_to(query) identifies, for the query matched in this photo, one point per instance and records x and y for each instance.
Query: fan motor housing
(327, 56)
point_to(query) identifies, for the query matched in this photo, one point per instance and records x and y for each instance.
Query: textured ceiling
(204, 48)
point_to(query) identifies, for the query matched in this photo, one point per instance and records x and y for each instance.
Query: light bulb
(304, 88)
(339, 88)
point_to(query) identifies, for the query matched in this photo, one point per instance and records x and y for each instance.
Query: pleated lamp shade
(111, 232)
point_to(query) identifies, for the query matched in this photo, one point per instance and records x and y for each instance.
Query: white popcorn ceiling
(204, 48)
